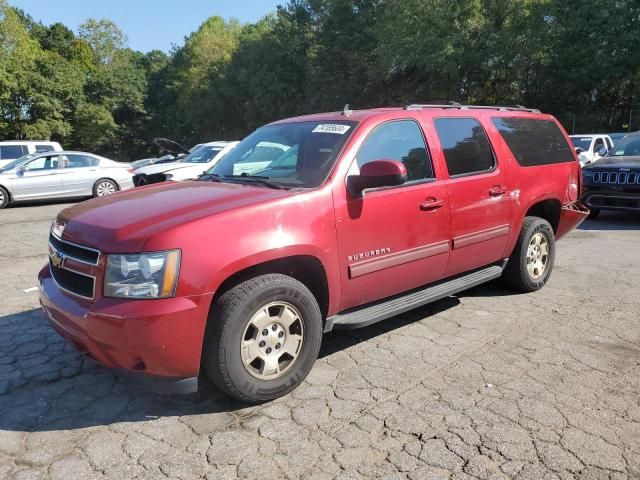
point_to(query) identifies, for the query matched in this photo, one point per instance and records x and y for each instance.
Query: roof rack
(455, 105)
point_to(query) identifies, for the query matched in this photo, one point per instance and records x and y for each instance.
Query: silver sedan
(65, 174)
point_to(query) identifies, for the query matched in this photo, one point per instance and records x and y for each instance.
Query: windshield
(203, 154)
(18, 161)
(581, 142)
(629, 145)
(289, 154)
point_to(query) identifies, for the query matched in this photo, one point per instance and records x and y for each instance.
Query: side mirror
(20, 171)
(376, 174)
(578, 150)
(602, 151)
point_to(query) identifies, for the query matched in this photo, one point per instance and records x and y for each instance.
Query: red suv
(334, 220)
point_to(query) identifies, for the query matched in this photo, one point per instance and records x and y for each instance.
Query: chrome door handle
(431, 204)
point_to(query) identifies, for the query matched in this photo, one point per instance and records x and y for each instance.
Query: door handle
(431, 204)
(497, 191)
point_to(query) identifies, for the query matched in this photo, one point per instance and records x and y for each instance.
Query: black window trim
(493, 152)
(405, 184)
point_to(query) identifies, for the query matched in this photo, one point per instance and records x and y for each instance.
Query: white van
(12, 149)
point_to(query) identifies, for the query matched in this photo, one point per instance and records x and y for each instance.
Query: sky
(148, 24)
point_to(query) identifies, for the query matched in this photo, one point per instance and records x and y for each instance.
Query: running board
(382, 310)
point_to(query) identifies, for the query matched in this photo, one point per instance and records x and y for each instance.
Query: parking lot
(484, 385)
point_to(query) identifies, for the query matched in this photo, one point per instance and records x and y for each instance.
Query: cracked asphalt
(483, 385)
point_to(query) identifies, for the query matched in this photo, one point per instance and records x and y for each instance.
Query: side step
(381, 310)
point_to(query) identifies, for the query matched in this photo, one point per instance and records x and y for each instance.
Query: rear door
(478, 194)
(79, 173)
(39, 178)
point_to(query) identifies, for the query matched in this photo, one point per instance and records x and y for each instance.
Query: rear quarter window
(534, 142)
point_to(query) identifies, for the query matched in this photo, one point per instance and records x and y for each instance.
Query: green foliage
(576, 59)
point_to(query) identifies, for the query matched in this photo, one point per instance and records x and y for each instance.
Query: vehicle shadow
(46, 385)
(611, 220)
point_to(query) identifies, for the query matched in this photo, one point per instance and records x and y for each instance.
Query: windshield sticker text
(332, 128)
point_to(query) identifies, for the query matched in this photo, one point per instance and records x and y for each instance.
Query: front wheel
(263, 337)
(104, 187)
(531, 262)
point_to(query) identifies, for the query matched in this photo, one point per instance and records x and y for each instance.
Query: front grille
(141, 179)
(77, 252)
(73, 282)
(616, 178)
(73, 267)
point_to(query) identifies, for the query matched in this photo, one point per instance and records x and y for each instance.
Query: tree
(104, 38)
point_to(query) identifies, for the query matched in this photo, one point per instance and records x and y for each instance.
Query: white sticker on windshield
(332, 128)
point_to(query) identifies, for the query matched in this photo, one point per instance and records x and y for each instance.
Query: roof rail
(454, 105)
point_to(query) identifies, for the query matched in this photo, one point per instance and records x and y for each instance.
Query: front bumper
(605, 199)
(158, 342)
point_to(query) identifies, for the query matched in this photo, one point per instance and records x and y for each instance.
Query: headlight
(144, 275)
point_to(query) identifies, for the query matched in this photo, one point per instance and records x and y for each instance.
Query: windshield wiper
(257, 179)
(211, 177)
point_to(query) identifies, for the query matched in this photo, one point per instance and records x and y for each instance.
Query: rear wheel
(4, 197)
(104, 187)
(532, 259)
(263, 337)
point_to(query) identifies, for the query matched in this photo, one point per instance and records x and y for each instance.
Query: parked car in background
(174, 149)
(591, 147)
(617, 136)
(14, 149)
(190, 167)
(613, 182)
(374, 213)
(62, 174)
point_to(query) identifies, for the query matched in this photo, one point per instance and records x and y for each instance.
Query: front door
(392, 239)
(40, 178)
(479, 196)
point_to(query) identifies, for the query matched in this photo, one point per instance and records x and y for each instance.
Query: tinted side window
(401, 140)
(11, 152)
(44, 148)
(534, 142)
(465, 145)
(78, 161)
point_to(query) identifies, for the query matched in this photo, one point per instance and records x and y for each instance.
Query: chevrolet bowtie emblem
(57, 259)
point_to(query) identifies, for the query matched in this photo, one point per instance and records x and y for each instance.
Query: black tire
(229, 318)
(4, 197)
(594, 213)
(516, 275)
(106, 182)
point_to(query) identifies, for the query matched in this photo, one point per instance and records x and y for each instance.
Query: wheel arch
(307, 269)
(548, 209)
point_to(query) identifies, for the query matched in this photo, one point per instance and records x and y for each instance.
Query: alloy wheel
(272, 340)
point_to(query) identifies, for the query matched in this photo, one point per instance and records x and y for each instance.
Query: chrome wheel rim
(272, 340)
(1, 197)
(105, 188)
(537, 255)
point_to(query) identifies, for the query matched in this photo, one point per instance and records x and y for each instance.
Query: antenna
(346, 111)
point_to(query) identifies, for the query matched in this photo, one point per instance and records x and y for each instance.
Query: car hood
(123, 222)
(617, 162)
(166, 167)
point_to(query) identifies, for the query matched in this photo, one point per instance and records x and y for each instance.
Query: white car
(192, 166)
(591, 147)
(63, 174)
(13, 149)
